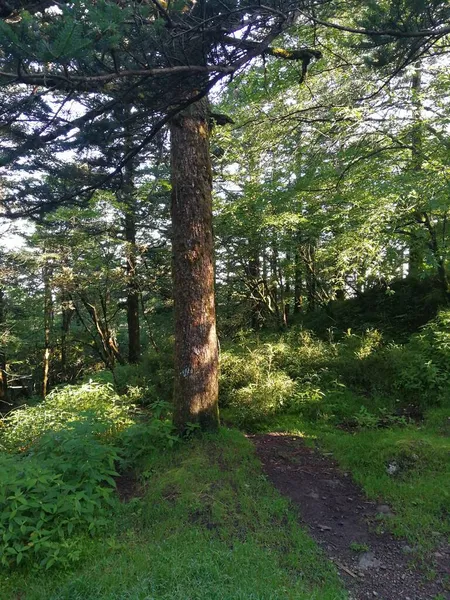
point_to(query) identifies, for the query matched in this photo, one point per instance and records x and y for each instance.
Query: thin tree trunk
(129, 205)
(148, 322)
(254, 277)
(46, 275)
(287, 291)
(105, 335)
(66, 313)
(416, 245)
(276, 287)
(96, 340)
(134, 334)
(438, 257)
(3, 375)
(196, 347)
(298, 284)
(311, 277)
(416, 249)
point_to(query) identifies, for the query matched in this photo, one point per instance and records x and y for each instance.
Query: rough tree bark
(196, 348)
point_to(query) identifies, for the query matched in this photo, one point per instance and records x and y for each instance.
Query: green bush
(424, 365)
(63, 486)
(261, 399)
(358, 381)
(294, 373)
(141, 438)
(57, 467)
(149, 381)
(90, 402)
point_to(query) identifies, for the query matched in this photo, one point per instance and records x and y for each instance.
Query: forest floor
(199, 521)
(268, 516)
(351, 528)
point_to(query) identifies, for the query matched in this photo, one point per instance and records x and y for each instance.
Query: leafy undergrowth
(382, 409)
(354, 378)
(58, 460)
(406, 467)
(208, 526)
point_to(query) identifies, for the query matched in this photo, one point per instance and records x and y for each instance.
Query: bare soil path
(342, 521)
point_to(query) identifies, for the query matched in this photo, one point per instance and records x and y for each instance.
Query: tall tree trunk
(276, 286)
(196, 348)
(416, 248)
(128, 200)
(438, 256)
(298, 283)
(311, 276)
(287, 291)
(253, 270)
(3, 375)
(46, 275)
(148, 322)
(66, 317)
(134, 333)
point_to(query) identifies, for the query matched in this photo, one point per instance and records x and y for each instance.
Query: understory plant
(58, 463)
(62, 486)
(360, 380)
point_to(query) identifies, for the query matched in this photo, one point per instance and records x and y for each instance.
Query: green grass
(419, 493)
(209, 526)
(356, 396)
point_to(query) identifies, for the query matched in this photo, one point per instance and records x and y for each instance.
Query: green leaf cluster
(90, 403)
(62, 486)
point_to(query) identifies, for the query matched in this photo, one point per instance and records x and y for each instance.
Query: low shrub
(58, 466)
(423, 372)
(359, 380)
(91, 402)
(149, 381)
(142, 438)
(262, 399)
(61, 487)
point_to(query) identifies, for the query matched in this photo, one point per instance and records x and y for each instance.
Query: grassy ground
(381, 408)
(418, 491)
(208, 526)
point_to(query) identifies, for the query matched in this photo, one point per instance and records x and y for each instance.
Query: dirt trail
(342, 521)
